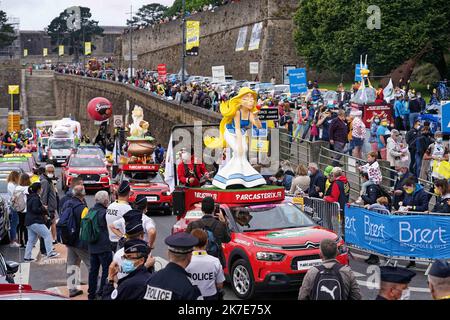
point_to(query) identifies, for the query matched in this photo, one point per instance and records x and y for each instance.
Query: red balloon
(99, 109)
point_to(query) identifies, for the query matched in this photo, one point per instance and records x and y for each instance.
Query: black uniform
(132, 287)
(171, 283)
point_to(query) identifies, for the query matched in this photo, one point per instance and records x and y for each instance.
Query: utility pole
(183, 45)
(131, 41)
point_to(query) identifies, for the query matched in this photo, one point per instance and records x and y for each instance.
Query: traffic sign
(118, 121)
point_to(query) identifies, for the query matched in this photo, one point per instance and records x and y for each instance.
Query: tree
(60, 33)
(332, 34)
(191, 5)
(148, 15)
(6, 31)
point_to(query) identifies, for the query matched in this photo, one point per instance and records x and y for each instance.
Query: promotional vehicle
(66, 128)
(17, 162)
(59, 150)
(94, 151)
(89, 167)
(145, 179)
(273, 243)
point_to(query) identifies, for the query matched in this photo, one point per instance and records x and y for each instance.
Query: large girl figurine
(239, 114)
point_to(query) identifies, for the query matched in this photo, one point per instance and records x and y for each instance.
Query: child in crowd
(373, 170)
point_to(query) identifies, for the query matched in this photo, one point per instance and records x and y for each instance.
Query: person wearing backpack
(331, 280)
(216, 228)
(35, 221)
(99, 247)
(77, 250)
(22, 191)
(17, 203)
(206, 270)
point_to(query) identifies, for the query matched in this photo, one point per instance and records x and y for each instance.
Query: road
(51, 275)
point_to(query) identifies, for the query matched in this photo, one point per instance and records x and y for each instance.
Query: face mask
(51, 175)
(128, 266)
(439, 140)
(309, 173)
(401, 174)
(437, 192)
(406, 294)
(409, 190)
(377, 121)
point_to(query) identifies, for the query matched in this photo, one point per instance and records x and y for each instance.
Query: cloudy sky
(37, 14)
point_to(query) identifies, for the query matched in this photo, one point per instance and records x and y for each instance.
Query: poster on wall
(254, 67)
(286, 69)
(255, 40)
(242, 38)
(218, 74)
(192, 38)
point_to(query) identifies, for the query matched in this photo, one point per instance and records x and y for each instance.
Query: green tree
(60, 33)
(148, 14)
(332, 34)
(191, 5)
(6, 31)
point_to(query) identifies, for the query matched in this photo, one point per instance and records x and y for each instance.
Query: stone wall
(40, 98)
(73, 93)
(219, 34)
(9, 75)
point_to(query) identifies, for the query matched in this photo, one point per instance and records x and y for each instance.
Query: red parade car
(145, 179)
(273, 243)
(89, 167)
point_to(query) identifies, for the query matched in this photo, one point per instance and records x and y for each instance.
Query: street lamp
(183, 45)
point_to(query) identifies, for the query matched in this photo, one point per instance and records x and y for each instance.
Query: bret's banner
(192, 38)
(424, 236)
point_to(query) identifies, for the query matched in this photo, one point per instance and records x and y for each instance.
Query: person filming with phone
(215, 225)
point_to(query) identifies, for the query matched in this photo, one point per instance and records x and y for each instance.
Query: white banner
(218, 74)
(254, 67)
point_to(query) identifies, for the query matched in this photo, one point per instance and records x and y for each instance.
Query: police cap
(396, 274)
(440, 269)
(124, 187)
(137, 246)
(182, 243)
(132, 215)
(141, 199)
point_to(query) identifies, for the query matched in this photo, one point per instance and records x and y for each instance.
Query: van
(59, 150)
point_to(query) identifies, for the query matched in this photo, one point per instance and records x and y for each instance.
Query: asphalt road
(53, 274)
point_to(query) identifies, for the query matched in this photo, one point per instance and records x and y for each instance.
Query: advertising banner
(192, 38)
(61, 51)
(422, 236)
(358, 77)
(87, 48)
(254, 67)
(255, 40)
(25, 52)
(218, 74)
(242, 38)
(369, 112)
(446, 118)
(45, 52)
(298, 82)
(162, 73)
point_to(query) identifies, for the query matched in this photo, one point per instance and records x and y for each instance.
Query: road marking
(24, 267)
(374, 286)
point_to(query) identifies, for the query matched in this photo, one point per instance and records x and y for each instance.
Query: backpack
(67, 225)
(18, 201)
(89, 229)
(328, 284)
(212, 248)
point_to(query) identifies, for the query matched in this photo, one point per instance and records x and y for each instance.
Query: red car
(89, 167)
(145, 179)
(273, 243)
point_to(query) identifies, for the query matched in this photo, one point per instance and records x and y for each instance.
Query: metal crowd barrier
(394, 259)
(328, 212)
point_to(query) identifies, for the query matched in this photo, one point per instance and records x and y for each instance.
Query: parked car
(263, 87)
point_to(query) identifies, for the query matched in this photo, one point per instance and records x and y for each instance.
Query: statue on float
(365, 95)
(239, 114)
(141, 147)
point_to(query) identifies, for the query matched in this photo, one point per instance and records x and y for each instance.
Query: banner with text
(61, 51)
(45, 52)
(297, 80)
(192, 38)
(218, 74)
(421, 236)
(87, 48)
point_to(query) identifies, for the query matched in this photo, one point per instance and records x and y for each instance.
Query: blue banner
(358, 77)
(298, 81)
(421, 236)
(260, 133)
(446, 118)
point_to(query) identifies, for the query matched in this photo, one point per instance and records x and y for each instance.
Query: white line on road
(24, 268)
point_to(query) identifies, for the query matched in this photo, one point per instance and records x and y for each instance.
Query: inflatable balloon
(99, 109)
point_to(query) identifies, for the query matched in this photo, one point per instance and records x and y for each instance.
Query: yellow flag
(13, 90)
(25, 52)
(192, 38)
(87, 48)
(45, 52)
(61, 51)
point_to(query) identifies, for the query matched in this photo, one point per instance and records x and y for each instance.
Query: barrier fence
(413, 236)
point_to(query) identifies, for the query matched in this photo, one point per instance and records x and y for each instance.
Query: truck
(62, 143)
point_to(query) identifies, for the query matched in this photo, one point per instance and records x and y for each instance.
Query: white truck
(62, 142)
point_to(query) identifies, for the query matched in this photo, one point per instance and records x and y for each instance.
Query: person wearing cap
(216, 224)
(173, 282)
(328, 179)
(394, 283)
(317, 182)
(139, 213)
(133, 285)
(439, 280)
(99, 252)
(205, 270)
(116, 210)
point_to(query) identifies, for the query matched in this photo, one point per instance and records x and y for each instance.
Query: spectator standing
(49, 199)
(99, 252)
(436, 152)
(382, 131)
(16, 202)
(338, 135)
(302, 122)
(22, 188)
(415, 109)
(442, 191)
(358, 133)
(396, 152)
(317, 181)
(339, 191)
(331, 280)
(205, 270)
(411, 137)
(372, 168)
(423, 141)
(301, 181)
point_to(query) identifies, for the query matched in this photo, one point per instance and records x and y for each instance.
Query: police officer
(173, 282)
(132, 287)
(394, 283)
(116, 210)
(439, 280)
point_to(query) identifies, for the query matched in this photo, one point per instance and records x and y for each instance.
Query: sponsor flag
(192, 38)
(389, 92)
(45, 52)
(169, 175)
(25, 52)
(87, 48)
(61, 50)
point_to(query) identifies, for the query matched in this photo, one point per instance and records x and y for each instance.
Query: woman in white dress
(239, 114)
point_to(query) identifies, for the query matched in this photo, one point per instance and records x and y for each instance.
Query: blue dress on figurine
(238, 172)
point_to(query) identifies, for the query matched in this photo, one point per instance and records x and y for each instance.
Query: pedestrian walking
(331, 280)
(21, 191)
(49, 199)
(17, 202)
